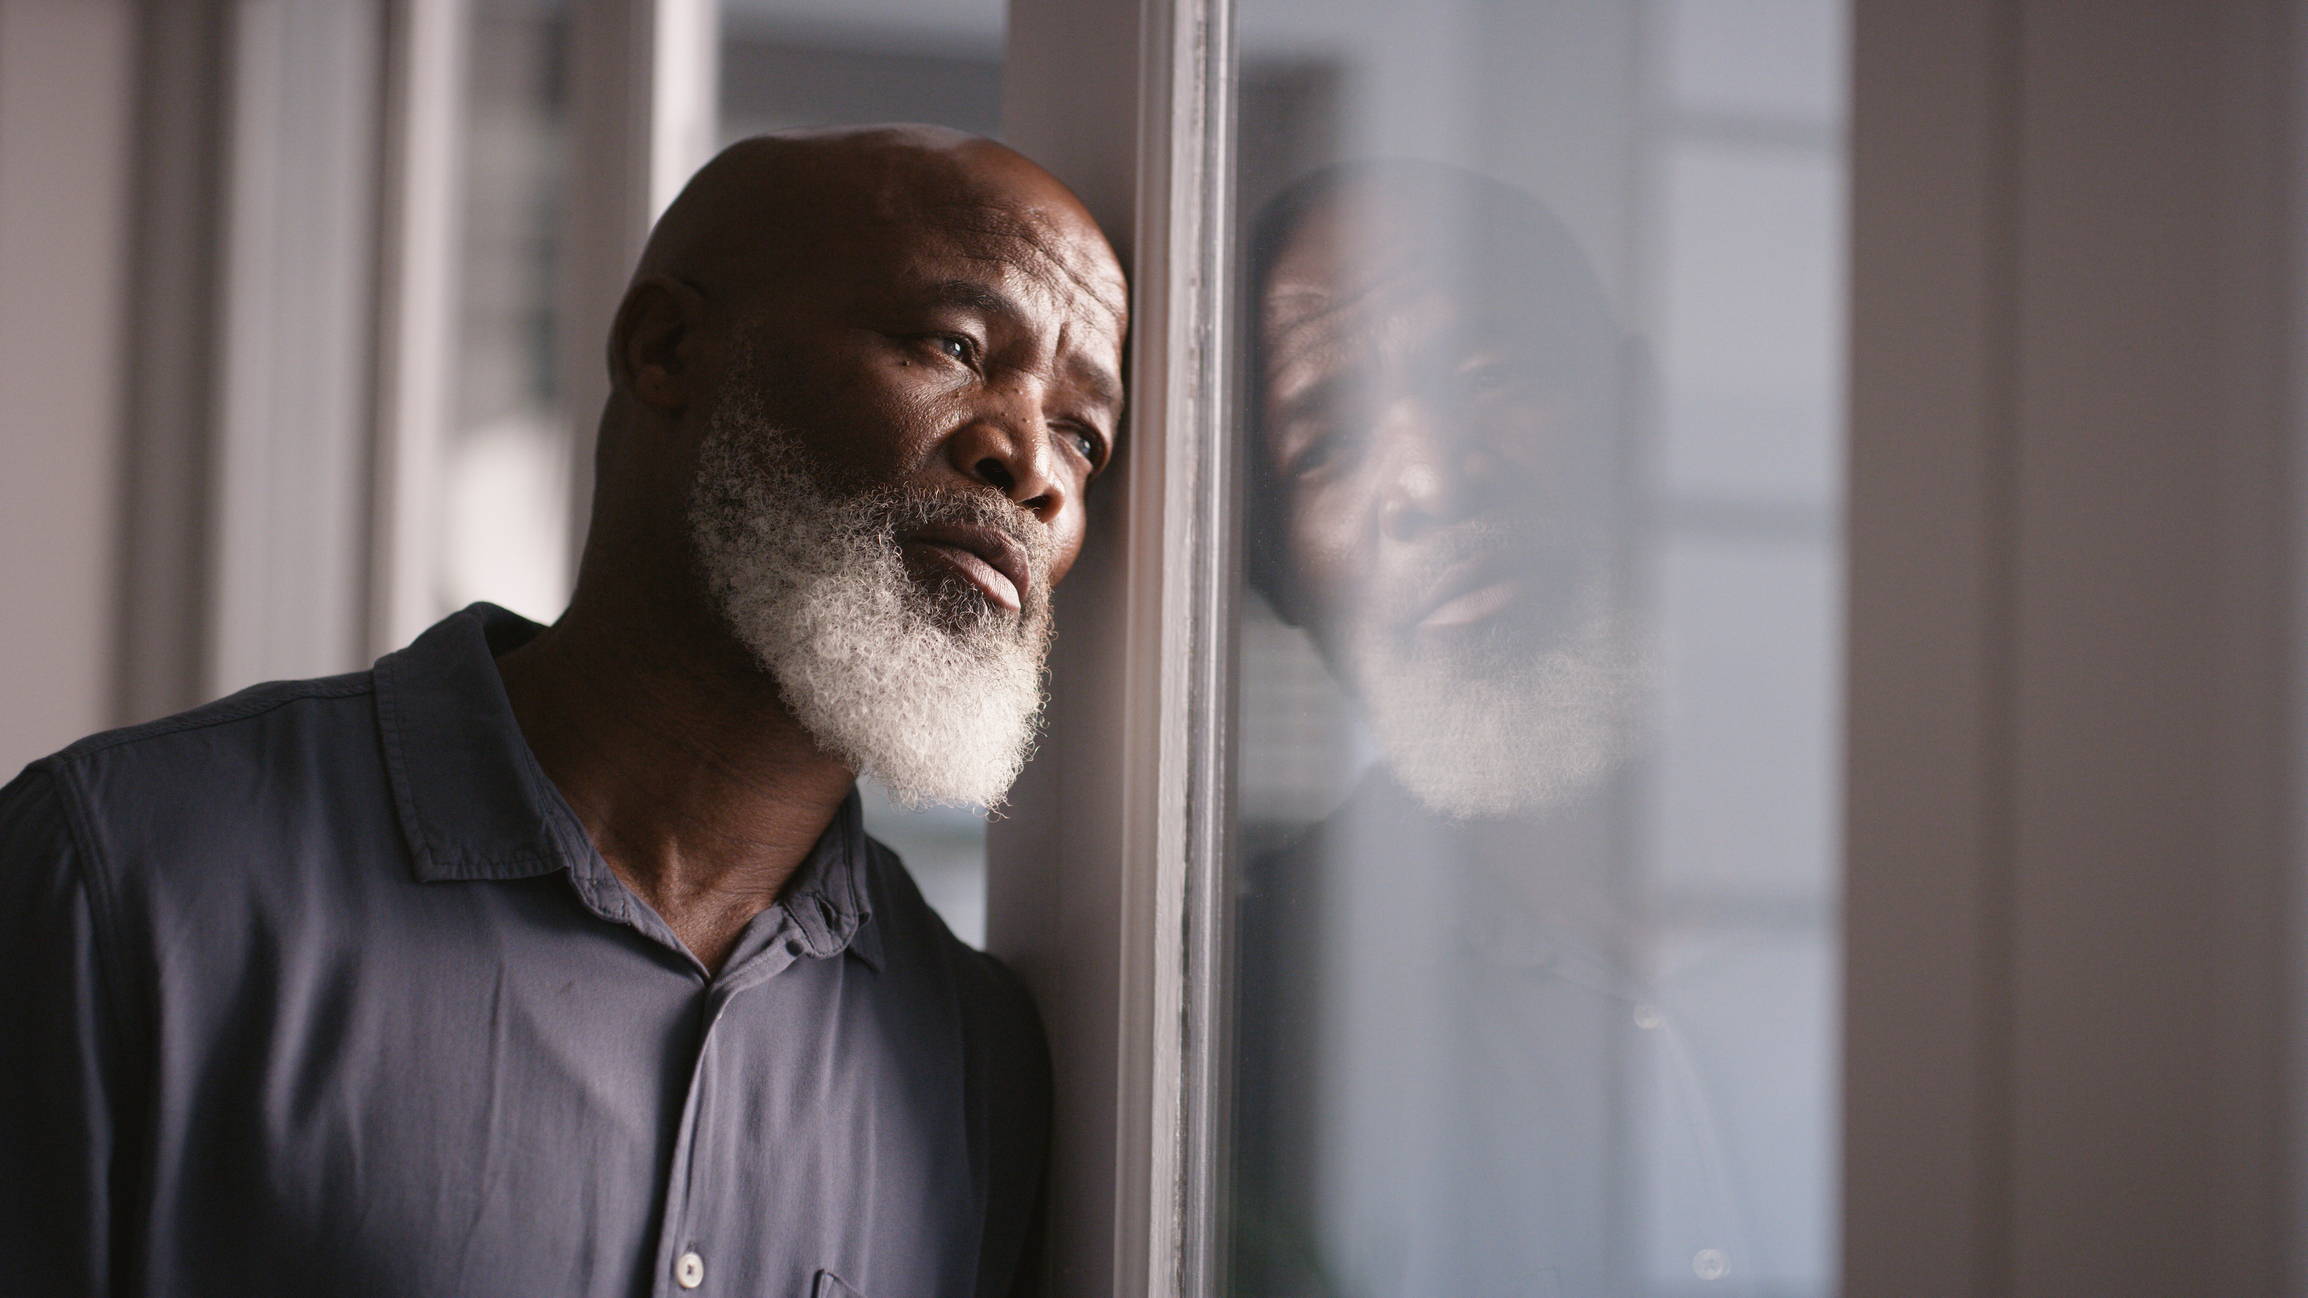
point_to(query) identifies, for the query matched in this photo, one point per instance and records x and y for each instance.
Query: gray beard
(1512, 728)
(936, 695)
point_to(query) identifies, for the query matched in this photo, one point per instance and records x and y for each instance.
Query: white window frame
(1103, 878)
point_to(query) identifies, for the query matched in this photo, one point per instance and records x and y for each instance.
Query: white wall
(64, 137)
(2070, 574)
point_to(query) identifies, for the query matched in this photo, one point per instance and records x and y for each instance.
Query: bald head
(912, 309)
(791, 205)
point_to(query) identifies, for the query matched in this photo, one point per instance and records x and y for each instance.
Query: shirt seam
(91, 872)
(425, 848)
(221, 713)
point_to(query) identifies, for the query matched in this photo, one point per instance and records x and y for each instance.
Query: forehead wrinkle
(1038, 264)
(1369, 323)
(1105, 385)
(1038, 230)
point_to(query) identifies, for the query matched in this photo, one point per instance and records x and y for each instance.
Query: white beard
(936, 696)
(1493, 732)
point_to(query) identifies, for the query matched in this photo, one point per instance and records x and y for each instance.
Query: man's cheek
(1332, 563)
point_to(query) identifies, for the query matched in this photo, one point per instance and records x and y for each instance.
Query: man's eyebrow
(1104, 385)
(977, 295)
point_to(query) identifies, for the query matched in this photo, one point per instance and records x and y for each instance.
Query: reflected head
(1437, 476)
(1432, 355)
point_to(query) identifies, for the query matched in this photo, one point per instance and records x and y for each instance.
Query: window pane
(504, 505)
(1535, 813)
(829, 62)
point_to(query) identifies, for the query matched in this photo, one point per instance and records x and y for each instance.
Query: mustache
(901, 510)
(1401, 596)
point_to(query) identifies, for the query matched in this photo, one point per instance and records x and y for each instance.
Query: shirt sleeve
(58, 1087)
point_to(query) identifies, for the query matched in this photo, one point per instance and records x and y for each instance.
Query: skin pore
(921, 308)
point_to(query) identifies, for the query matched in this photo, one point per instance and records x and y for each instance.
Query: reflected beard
(935, 693)
(1519, 721)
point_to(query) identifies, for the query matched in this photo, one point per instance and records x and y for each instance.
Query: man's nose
(1434, 470)
(1007, 445)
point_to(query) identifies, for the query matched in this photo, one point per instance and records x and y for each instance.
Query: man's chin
(931, 691)
(1504, 723)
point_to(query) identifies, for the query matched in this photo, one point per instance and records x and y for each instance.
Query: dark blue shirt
(323, 989)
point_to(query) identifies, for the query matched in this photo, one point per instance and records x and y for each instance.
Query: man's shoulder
(242, 718)
(235, 764)
(915, 937)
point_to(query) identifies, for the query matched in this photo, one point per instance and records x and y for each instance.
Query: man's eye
(954, 346)
(1330, 448)
(1084, 444)
(1489, 377)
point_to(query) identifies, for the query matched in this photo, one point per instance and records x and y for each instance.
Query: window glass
(1535, 821)
(829, 62)
(504, 508)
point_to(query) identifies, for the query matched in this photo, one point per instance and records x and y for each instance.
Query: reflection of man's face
(1435, 445)
(1437, 423)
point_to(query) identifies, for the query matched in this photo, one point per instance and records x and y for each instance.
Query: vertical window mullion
(1103, 879)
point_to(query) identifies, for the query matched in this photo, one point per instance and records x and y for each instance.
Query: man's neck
(1563, 865)
(695, 782)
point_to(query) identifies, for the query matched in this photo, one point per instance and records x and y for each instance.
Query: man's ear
(653, 343)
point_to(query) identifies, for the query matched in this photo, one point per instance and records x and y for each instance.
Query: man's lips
(986, 557)
(1472, 592)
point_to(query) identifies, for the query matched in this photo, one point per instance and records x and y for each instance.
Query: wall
(64, 135)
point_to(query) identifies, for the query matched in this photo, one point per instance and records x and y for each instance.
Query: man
(556, 961)
(1463, 1067)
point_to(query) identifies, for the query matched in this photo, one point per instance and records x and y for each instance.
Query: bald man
(555, 960)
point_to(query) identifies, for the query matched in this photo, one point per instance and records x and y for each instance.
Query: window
(1535, 741)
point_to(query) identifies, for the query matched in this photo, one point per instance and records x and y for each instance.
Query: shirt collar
(475, 805)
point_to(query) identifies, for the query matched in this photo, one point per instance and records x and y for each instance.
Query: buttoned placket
(684, 1259)
(446, 727)
(805, 924)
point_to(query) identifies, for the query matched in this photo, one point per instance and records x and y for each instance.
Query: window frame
(1104, 876)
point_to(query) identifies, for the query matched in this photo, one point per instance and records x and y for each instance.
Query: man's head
(1439, 392)
(862, 380)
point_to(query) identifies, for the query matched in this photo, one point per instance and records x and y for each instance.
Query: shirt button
(689, 1272)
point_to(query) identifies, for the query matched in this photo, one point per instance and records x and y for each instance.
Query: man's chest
(474, 1110)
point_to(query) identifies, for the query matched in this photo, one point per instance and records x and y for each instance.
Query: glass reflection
(1440, 503)
(1534, 940)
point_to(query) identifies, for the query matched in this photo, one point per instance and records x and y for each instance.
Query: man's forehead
(1065, 261)
(1315, 324)
(804, 206)
(1327, 296)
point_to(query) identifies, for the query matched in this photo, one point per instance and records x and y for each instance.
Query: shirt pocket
(829, 1285)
